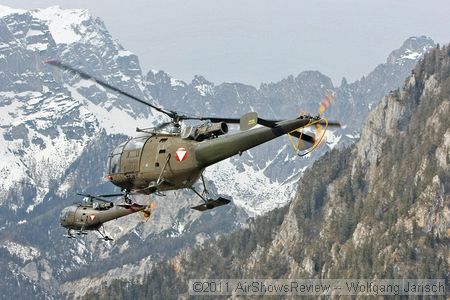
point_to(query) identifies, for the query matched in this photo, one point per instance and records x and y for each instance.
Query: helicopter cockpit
(126, 155)
(67, 214)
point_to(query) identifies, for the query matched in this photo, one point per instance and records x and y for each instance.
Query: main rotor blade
(330, 123)
(335, 124)
(109, 195)
(132, 205)
(104, 195)
(264, 122)
(216, 120)
(84, 75)
(162, 125)
(97, 197)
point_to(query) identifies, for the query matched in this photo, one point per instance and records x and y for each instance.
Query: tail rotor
(307, 142)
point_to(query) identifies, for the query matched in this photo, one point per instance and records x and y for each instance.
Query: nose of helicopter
(63, 217)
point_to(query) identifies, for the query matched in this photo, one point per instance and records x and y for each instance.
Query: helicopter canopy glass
(118, 149)
(136, 143)
(114, 164)
(66, 211)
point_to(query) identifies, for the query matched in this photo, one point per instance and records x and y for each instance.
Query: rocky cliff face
(376, 209)
(385, 210)
(57, 129)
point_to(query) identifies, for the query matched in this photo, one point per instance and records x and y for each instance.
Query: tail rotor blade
(326, 102)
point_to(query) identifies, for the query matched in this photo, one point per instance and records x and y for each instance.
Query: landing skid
(70, 235)
(102, 232)
(209, 203)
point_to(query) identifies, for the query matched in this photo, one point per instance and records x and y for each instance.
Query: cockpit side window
(114, 164)
(114, 159)
(118, 149)
(136, 143)
(63, 213)
(66, 211)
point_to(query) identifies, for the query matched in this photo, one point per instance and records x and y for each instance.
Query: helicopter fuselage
(160, 162)
(140, 162)
(87, 217)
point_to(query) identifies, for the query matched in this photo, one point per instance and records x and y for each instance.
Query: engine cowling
(207, 131)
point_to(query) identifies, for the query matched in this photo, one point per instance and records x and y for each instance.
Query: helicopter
(168, 158)
(94, 212)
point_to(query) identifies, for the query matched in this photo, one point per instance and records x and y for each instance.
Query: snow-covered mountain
(56, 130)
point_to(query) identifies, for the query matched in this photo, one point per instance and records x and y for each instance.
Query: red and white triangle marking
(91, 217)
(181, 154)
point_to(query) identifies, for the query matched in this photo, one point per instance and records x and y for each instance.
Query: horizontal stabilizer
(307, 141)
(303, 136)
(210, 204)
(133, 206)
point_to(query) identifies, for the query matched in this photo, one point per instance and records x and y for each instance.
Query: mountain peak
(199, 79)
(6, 10)
(62, 23)
(411, 50)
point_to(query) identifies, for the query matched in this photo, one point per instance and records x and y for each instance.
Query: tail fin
(249, 120)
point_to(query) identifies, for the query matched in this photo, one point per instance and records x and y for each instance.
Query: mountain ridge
(66, 122)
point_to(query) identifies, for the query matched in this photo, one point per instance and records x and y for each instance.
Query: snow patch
(33, 32)
(204, 89)
(176, 82)
(33, 150)
(24, 253)
(250, 188)
(5, 10)
(124, 53)
(114, 120)
(409, 54)
(62, 23)
(332, 140)
(37, 46)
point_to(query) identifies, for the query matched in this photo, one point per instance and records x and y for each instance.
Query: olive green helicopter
(168, 157)
(94, 211)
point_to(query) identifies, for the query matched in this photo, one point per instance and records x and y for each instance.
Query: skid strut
(208, 203)
(103, 234)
